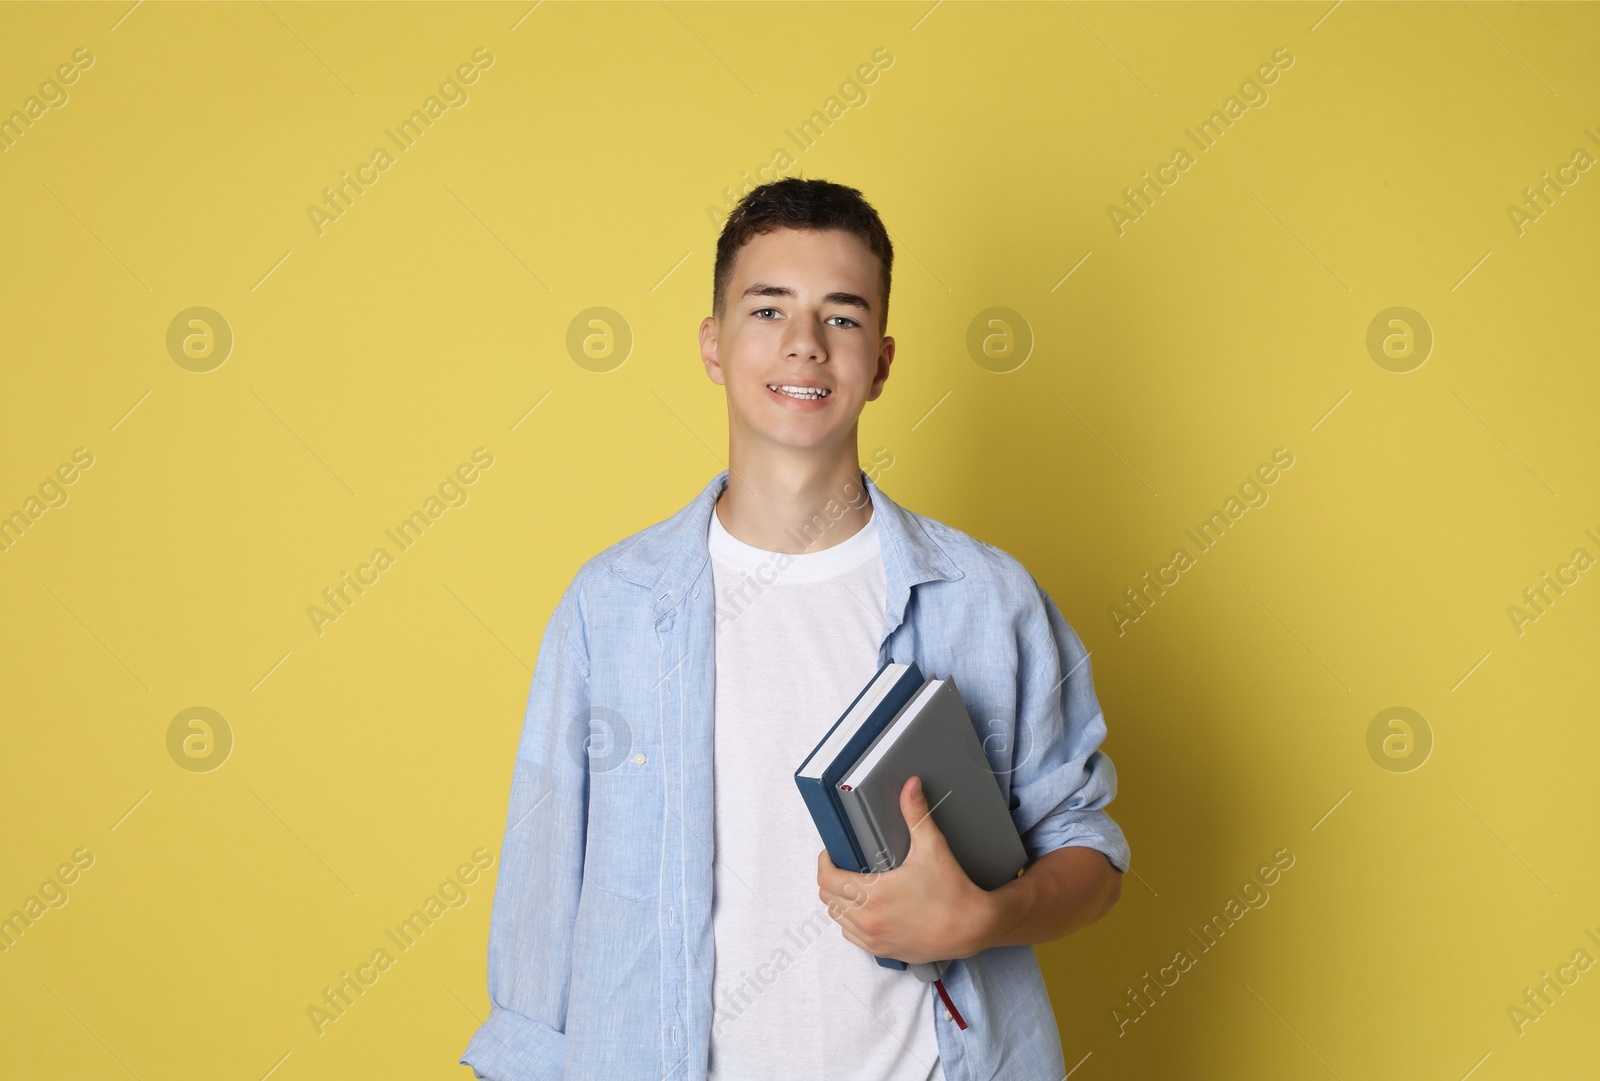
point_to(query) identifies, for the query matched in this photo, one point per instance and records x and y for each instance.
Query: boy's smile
(803, 395)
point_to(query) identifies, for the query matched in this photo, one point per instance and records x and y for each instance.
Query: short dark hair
(798, 203)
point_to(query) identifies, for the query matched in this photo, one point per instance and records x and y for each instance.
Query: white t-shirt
(797, 638)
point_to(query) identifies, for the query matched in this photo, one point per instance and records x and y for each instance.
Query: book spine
(833, 830)
(878, 853)
(852, 838)
(875, 854)
(881, 859)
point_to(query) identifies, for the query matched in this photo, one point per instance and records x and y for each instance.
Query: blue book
(818, 776)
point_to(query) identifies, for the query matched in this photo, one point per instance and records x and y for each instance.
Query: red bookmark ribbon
(955, 1014)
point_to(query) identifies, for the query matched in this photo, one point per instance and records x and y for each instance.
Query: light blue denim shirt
(600, 940)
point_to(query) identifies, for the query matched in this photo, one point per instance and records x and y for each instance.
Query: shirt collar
(667, 560)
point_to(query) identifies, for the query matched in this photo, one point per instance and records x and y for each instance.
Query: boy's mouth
(804, 394)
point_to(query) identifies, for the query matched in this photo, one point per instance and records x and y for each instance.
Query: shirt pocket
(622, 853)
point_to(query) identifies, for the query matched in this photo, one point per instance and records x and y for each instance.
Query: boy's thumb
(915, 800)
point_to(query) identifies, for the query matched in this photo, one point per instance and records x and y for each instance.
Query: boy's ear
(708, 350)
(881, 376)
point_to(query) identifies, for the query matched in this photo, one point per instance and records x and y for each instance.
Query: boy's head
(800, 298)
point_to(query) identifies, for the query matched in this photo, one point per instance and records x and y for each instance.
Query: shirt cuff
(513, 1047)
(1084, 829)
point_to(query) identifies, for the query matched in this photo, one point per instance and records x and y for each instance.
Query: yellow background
(369, 761)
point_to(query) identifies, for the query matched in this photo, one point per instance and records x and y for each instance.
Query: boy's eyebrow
(762, 289)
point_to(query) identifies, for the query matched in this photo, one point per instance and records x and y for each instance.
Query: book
(901, 725)
(885, 694)
(933, 738)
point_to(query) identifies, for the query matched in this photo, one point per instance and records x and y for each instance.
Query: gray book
(932, 737)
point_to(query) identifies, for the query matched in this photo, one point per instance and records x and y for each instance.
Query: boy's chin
(796, 437)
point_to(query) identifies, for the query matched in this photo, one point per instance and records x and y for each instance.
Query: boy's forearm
(1058, 893)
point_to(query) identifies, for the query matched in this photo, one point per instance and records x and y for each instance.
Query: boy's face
(802, 309)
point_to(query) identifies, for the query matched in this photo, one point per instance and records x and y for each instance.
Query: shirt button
(638, 759)
(947, 1015)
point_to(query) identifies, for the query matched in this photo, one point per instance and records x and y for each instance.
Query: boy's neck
(794, 505)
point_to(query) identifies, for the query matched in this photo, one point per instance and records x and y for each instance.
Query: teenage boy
(665, 908)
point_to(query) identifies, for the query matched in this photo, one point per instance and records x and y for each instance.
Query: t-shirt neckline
(847, 555)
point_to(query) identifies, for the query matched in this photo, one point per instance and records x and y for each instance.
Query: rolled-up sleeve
(541, 866)
(1063, 781)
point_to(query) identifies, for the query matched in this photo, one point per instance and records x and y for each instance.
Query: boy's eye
(848, 321)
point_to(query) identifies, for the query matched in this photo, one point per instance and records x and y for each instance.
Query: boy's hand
(926, 909)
